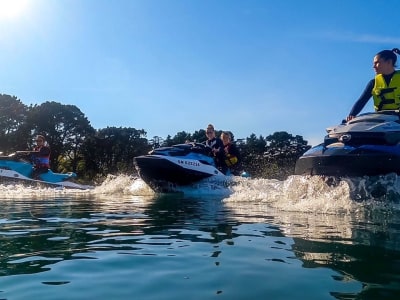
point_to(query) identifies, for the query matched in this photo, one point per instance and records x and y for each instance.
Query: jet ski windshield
(182, 150)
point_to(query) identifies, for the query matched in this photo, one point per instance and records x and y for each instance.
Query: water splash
(123, 185)
(312, 194)
(297, 193)
(380, 188)
(316, 194)
(24, 191)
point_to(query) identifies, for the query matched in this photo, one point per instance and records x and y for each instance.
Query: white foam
(314, 194)
(18, 190)
(122, 185)
(310, 194)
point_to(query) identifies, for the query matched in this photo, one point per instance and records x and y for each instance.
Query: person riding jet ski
(384, 88)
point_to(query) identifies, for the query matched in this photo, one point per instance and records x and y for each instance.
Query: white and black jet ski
(367, 145)
(166, 168)
(18, 167)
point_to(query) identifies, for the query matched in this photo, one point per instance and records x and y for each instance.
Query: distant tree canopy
(112, 149)
(13, 114)
(76, 146)
(283, 144)
(65, 128)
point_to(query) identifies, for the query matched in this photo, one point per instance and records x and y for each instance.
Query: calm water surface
(258, 239)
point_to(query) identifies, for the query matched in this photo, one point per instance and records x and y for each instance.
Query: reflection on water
(300, 232)
(362, 246)
(35, 233)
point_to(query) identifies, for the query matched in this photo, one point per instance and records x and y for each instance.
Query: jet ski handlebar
(23, 155)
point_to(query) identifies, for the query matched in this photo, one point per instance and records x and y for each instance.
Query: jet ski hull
(340, 161)
(163, 173)
(368, 145)
(166, 169)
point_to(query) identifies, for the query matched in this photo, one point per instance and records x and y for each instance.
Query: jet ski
(368, 145)
(166, 169)
(18, 167)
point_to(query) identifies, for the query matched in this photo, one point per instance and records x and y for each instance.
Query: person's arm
(220, 146)
(360, 103)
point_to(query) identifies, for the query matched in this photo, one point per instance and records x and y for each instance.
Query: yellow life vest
(386, 99)
(231, 160)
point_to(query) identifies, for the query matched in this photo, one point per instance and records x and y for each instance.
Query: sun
(11, 9)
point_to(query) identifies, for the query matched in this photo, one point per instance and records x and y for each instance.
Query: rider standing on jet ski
(40, 157)
(216, 145)
(384, 88)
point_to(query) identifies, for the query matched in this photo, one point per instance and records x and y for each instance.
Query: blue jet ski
(368, 145)
(18, 167)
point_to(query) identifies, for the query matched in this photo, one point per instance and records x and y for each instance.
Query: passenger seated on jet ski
(231, 156)
(384, 88)
(216, 145)
(40, 157)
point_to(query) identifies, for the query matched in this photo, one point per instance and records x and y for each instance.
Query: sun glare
(10, 9)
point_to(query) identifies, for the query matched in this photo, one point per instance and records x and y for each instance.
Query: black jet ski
(165, 169)
(367, 145)
(18, 167)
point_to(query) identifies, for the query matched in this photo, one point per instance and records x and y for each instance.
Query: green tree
(65, 128)
(13, 114)
(199, 136)
(255, 145)
(180, 138)
(284, 145)
(112, 149)
(165, 143)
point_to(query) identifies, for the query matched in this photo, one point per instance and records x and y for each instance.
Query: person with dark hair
(216, 145)
(384, 88)
(40, 157)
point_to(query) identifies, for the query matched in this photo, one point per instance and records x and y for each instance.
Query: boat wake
(314, 194)
(318, 194)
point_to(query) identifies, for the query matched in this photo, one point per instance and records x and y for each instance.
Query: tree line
(94, 153)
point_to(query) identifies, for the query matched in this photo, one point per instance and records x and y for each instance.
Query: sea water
(302, 238)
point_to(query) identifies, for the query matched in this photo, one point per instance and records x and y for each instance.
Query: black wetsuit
(216, 143)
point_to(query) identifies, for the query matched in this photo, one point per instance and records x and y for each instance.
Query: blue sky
(167, 66)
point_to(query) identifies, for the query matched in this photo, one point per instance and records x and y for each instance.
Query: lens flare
(11, 9)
